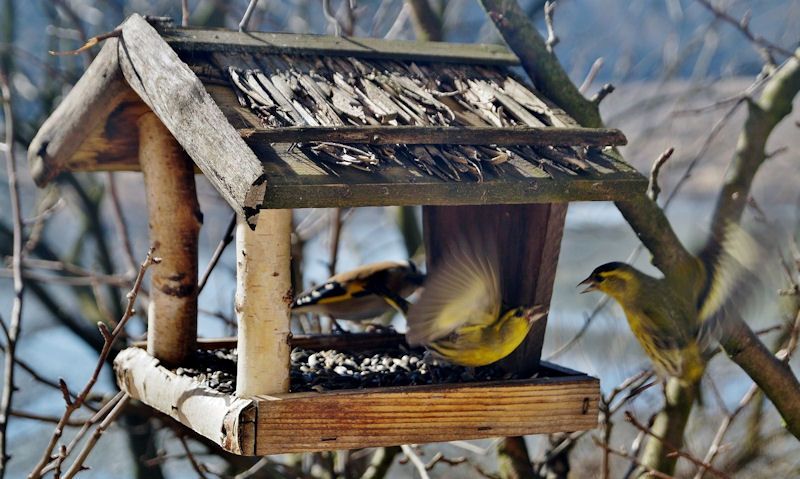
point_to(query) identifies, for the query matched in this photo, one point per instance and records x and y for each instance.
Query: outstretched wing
(463, 290)
(732, 284)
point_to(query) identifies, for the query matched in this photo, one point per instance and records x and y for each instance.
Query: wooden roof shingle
(287, 121)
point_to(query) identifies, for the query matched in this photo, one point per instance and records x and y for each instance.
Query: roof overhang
(254, 167)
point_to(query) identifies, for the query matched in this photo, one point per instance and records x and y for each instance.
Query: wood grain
(191, 39)
(170, 88)
(219, 417)
(441, 135)
(174, 224)
(350, 419)
(263, 295)
(306, 422)
(83, 131)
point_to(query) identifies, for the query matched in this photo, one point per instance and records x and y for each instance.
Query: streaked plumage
(362, 293)
(676, 324)
(460, 316)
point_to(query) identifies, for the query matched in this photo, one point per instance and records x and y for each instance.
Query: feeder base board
(351, 419)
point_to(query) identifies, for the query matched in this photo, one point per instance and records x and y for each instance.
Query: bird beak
(589, 283)
(537, 313)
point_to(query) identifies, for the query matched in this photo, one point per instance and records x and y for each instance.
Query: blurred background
(675, 67)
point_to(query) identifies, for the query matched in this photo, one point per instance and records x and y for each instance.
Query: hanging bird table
(282, 121)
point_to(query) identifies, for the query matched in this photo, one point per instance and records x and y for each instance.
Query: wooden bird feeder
(281, 121)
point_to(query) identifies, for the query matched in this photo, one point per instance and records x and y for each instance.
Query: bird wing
(346, 285)
(464, 290)
(367, 270)
(730, 261)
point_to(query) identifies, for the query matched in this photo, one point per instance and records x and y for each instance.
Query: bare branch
(552, 38)
(78, 466)
(73, 406)
(336, 232)
(227, 238)
(244, 23)
(743, 25)
(119, 224)
(42, 418)
(652, 187)
(185, 13)
(674, 450)
(331, 17)
(633, 459)
(593, 71)
(723, 428)
(427, 21)
(605, 90)
(199, 468)
(414, 458)
(12, 330)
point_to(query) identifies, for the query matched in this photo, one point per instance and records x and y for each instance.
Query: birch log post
(263, 295)
(175, 220)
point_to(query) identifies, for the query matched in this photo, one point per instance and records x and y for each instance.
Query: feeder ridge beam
(179, 99)
(228, 41)
(441, 135)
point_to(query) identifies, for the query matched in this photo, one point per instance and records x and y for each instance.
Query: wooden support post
(529, 238)
(175, 220)
(263, 295)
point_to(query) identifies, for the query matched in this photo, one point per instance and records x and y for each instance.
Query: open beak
(589, 283)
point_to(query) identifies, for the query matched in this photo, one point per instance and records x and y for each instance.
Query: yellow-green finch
(460, 317)
(674, 322)
(362, 293)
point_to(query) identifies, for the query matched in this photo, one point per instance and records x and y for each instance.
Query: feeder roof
(291, 121)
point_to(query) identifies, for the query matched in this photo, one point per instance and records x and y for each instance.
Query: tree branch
(109, 338)
(762, 117)
(427, 23)
(12, 331)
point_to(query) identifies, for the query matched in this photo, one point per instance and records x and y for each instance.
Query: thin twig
(113, 280)
(245, 22)
(414, 458)
(714, 448)
(78, 466)
(255, 468)
(336, 232)
(29, 369)
(552, 38)
(13, 329)
(119, 224)
(441, 458)
(37, 224)
(674, 450)
(653, 189)
(636, 446)
(185, 13)
(593, 71)
(63, 266)
(743, 26)
(633, 459)
(199, 468)
(634, 383)
(103, 412)
(109, 338)
(604, 91)
(331, 17)
(227, 239)
(42, 418)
